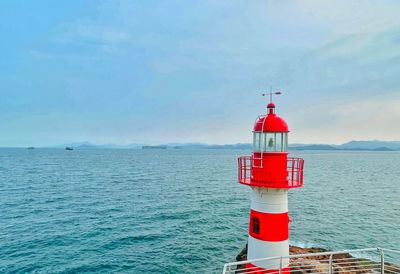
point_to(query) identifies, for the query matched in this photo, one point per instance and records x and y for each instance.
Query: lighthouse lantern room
(270, 173)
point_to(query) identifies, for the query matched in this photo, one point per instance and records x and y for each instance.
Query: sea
(178, 210)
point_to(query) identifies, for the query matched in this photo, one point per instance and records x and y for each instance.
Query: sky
(193, 71)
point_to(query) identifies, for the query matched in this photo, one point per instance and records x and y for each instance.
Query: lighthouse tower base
(269, 228)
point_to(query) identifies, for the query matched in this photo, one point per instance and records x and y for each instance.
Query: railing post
(239, 169)
(251, 167)
(280, 265)
(242, 168)
(330, 270)
(292, 171)
(245, 169)
(382, 262)
(225, 269)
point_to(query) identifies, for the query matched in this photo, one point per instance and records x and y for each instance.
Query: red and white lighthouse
(270, 173)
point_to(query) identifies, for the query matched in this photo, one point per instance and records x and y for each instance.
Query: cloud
(343, 119)
(344, 17)
(105, 38)
(365, 48)
(200, 67)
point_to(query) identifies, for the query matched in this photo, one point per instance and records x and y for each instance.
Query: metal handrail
(349, 265)
(306, 255)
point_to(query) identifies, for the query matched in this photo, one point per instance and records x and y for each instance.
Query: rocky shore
(319, 264)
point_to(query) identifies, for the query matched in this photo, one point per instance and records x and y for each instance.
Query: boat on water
(69, 148)
(30, 147)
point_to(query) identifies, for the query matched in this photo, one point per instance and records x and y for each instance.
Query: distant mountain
(187, 145)
(371, 145)
(226, 146)
(352, 145)
(374, 145)
(208, 146)
(383, 149)
(312, 147)
(88, 145)
(154, 147)
(192, 145)
(74, 144)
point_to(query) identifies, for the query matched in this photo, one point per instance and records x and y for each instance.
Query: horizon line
(83, 143)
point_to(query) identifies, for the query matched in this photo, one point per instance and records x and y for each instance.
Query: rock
(303, 265)
(242, 256)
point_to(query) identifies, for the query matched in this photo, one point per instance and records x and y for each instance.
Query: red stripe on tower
(258, 270)
(273, 227)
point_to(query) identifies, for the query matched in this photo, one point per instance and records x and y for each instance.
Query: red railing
(294, 172)
(245, 163)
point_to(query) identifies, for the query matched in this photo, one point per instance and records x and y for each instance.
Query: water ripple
(176, 211)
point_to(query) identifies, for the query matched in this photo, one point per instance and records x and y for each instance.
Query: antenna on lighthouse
(272, 93)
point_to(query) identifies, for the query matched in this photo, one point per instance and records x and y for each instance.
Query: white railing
(368, 260)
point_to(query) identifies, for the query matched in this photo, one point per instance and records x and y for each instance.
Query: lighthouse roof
(271, 122)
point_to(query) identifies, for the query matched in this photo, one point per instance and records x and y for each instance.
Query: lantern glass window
(284, 141)
(270, 142)
(257, 142)
(278, 141)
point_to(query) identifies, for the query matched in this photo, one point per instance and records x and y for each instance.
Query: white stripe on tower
(264, 249)
(269, 200)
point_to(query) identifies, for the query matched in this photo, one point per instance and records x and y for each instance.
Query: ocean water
(177, 211)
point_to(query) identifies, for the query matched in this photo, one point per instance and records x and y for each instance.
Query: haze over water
(177, 211)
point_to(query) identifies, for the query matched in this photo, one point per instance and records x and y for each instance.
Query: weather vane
(271, 93)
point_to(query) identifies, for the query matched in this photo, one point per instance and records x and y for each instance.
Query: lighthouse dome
(271, 122)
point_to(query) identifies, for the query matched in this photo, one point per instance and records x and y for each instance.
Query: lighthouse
(270, 173)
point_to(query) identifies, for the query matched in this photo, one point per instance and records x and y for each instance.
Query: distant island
(154, 147)
(374, 145)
